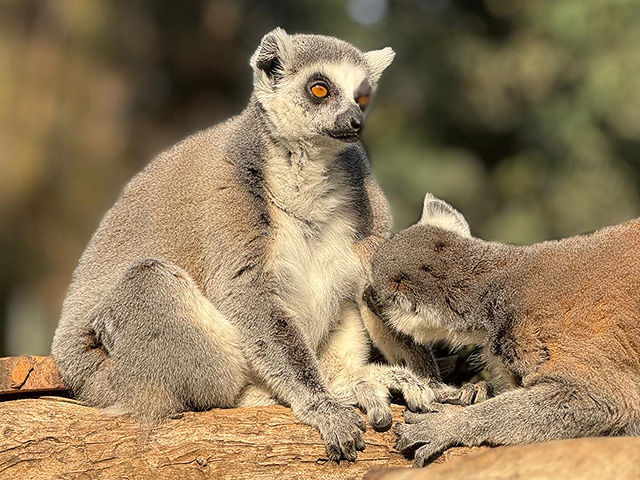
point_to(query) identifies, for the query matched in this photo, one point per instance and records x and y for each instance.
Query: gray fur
(230, 269)
(559, 322)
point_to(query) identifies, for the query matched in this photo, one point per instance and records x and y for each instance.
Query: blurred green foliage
(524, 114)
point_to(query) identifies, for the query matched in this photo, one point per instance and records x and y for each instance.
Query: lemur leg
(344, 366)
(546, 411)
(343, 355)
(168, 348)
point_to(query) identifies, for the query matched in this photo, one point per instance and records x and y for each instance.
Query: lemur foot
(468, 394)
(340, 426)
(429, 434)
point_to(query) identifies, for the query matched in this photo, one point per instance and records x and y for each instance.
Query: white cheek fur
(426, 324)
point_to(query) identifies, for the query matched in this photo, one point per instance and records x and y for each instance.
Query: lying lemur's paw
(340, 426)
(468, 394)
(427, 433)
(418, 395)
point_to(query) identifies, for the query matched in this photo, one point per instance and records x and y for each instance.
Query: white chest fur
(312, 255)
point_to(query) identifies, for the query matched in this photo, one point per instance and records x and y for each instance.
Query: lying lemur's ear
(439, 213)
(378, 61)
(275, 51)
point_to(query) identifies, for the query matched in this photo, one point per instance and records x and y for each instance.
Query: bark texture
(28, 375)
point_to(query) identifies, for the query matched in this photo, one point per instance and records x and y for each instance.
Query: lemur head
(314, 89)
(426, 279)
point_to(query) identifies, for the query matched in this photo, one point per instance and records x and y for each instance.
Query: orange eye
(319, 90)
(363, 100)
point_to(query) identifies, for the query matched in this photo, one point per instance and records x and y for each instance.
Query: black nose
(356, 123)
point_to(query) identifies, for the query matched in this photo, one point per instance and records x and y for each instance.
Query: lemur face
(334, 100)
(424, 277)
(316, 89)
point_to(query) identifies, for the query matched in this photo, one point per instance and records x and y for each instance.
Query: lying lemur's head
(426, 278)
(315, 89)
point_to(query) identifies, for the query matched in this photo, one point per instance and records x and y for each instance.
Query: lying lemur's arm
(546, 411)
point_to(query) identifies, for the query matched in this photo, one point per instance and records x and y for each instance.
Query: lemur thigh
(164, 340)
(546, 411)
(345, 368)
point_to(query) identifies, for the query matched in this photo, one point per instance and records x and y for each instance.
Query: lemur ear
(275, 51)
(439, 213)
(378, 61)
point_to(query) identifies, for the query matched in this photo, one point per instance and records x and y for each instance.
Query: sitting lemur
(230, 271)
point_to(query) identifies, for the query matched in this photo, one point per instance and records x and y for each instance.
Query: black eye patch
(316, 86)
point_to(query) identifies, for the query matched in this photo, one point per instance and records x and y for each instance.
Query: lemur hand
(340, 426)
(374, 384)
(428, 433)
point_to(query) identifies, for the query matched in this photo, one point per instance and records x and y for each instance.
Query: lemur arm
(546, 411)
(281, 359)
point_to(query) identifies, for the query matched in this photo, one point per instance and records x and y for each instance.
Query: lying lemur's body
(230, 269)
(559, 321)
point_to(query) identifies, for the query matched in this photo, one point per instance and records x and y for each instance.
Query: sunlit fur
(557, 320)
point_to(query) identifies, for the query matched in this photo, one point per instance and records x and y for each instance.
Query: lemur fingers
(427, 434)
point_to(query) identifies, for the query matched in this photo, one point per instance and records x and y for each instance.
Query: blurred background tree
(524, 114)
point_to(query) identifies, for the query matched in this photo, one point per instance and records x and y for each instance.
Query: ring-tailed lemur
(230, 269)
(559, 322)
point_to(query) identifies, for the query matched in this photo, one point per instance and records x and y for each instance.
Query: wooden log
(573, 459)
(59, 438)
(28, 375)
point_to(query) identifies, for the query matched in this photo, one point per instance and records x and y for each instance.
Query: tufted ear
(274, 52)
(439, 213)
(378, 61)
